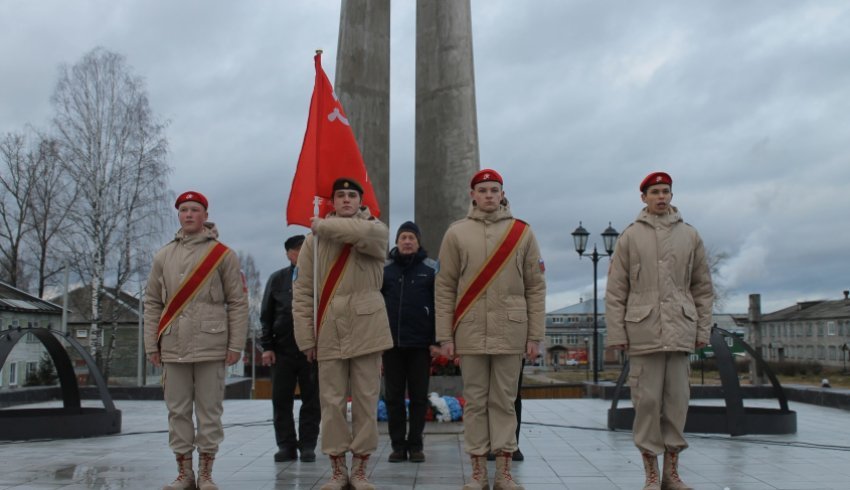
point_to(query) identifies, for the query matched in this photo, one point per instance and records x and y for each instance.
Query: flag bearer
(351, 329)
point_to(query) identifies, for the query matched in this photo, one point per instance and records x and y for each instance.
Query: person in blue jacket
(408, 290)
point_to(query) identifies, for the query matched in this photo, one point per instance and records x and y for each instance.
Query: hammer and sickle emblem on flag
(333, 116)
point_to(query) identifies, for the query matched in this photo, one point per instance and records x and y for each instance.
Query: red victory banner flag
(328, 153)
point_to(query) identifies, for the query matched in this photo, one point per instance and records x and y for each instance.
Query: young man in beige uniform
(352, 330)
(490, 304)
(196, 338)
(658, 309)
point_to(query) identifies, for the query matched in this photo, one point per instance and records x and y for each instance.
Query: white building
(20, 309)
(569, 334)
(809, 331)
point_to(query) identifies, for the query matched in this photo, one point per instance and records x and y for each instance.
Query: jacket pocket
(641, 330)
(365, 329)
(516, 334)
(690, 312)
(215, 327)
(636, 314)
(518, 316)
(369, 306)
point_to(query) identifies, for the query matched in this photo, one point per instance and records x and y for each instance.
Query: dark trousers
(286, 372)
(406, 369)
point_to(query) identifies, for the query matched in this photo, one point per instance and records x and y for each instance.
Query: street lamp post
(587, 358)
(609, 239)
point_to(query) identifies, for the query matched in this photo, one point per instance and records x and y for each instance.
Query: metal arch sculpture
(71, 420)
(734, 419)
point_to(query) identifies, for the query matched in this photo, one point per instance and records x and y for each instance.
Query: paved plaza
(566, 444)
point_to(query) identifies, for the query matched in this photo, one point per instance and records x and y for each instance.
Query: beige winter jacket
(659, 294)
(511, 310)
(355, 322)
(214, 321)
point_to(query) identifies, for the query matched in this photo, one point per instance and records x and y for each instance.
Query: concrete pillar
(362, 83)
(446, 125)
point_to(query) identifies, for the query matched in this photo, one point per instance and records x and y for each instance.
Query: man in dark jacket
(409, 294)
(289, 365)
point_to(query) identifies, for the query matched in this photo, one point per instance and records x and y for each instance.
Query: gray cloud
(744, 103)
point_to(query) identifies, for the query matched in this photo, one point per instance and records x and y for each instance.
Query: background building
(120, 324)
(569, 335)
(19, 309)
(121, 343)
(809, 331)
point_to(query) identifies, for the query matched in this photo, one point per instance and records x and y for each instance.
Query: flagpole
(315, 238)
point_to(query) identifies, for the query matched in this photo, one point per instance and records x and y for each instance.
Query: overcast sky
(746, 104)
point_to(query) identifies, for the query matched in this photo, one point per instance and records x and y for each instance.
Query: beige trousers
(198, 386)
(362, 375)
(661, 391)
(490, 389)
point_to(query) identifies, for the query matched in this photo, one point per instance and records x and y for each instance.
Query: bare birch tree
(716, 259)
(16, 186)
(53, 196)
(114, 149)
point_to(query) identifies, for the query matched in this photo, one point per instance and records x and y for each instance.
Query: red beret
(655, 178)
(485, 175)
(191, 196)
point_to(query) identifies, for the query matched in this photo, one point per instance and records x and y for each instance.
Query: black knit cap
(346, 183)
(293, 242)
(412, 228)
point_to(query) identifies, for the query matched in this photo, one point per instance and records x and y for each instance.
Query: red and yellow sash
(494, 263)
(330, 284)
(191, 285)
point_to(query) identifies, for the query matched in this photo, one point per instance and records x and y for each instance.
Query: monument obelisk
(446, 152)
(362, 83)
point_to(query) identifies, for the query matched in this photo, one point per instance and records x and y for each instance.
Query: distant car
(572, 362)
